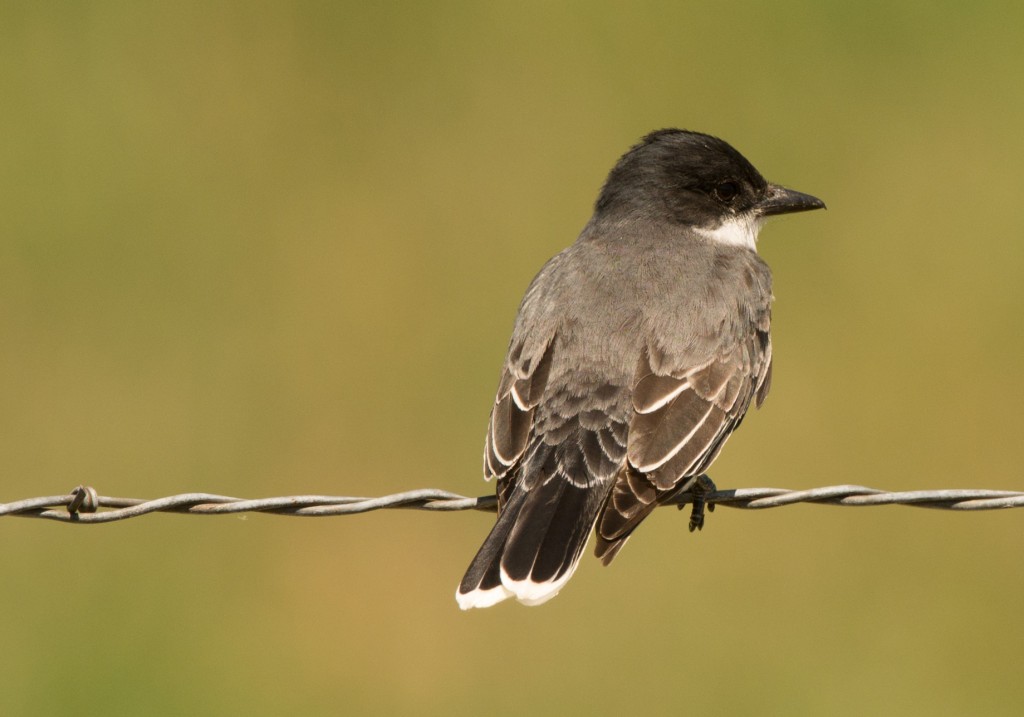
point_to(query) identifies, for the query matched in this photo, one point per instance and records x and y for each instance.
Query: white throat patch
(740, 230)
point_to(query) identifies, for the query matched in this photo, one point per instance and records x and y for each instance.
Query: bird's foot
(702, 486)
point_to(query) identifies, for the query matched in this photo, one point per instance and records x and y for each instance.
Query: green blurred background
(263, 249)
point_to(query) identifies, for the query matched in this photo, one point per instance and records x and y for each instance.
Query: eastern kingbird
(635, 355)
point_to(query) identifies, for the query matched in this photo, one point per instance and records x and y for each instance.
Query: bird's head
(699, 181)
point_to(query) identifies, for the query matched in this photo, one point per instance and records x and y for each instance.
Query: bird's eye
(727, 191)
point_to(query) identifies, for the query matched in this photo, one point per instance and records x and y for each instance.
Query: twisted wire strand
(84, 505)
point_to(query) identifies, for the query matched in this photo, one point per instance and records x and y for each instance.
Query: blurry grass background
(265, 249)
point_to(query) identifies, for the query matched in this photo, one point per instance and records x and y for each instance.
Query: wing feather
(682, 418)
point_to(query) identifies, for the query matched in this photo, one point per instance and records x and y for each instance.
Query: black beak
(779, 200)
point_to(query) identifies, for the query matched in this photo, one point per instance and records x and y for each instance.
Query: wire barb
(85, 506)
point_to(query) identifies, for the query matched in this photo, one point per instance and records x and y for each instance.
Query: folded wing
(682, 416)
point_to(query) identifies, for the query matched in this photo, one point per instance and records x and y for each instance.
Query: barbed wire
(84, 505)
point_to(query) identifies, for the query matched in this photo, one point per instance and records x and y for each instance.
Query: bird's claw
(702, 486)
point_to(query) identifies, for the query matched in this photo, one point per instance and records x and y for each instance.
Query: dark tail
(536, 544)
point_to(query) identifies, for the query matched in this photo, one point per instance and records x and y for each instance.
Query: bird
(635, 354)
